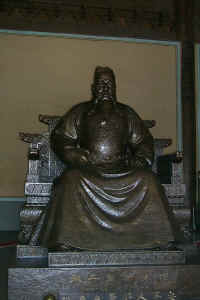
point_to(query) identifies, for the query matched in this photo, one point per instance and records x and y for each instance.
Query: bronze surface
(107, 198)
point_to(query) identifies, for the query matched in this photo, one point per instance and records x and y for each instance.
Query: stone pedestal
(122, 275)
(118, 258)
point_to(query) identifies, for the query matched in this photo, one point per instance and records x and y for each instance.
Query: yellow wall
(48, 75)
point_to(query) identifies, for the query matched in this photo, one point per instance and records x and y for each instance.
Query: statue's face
(104, 88)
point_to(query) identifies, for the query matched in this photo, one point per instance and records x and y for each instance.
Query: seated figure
(107, 198)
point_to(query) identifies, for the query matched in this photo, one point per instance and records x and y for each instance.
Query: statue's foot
(63, 248)
(171, 246)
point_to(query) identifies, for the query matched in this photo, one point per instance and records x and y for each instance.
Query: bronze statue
(107, 198)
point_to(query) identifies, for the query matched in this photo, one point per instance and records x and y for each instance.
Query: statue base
(138, 275)
(118, 258)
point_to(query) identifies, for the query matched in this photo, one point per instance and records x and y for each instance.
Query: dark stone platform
(120, 275)
(175, 282)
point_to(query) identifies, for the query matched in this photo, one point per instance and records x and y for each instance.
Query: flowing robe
(112, 203)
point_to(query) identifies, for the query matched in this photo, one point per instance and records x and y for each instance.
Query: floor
(7, 258)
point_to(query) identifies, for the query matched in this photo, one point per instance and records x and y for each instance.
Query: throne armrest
(149, 123)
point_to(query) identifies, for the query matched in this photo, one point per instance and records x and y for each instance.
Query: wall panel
(48, 75)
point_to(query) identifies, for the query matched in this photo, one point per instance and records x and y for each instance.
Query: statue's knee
(70, 175)
(148, 176)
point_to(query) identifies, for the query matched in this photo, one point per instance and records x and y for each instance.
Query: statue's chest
(104, 134)
(104, 123)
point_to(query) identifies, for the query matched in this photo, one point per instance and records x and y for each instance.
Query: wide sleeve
(140, 141)
(66, 133)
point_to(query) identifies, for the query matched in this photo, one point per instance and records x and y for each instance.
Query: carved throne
(44, 167)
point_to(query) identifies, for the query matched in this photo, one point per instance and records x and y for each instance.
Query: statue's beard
(105, 97)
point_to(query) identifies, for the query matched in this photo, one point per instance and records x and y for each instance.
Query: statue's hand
(140, 162)
(77, 156)
(83, 157)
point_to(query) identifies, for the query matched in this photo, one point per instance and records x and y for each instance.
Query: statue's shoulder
(128, 110)
(77, 109)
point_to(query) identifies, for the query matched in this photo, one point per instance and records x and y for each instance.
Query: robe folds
(107, 208)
